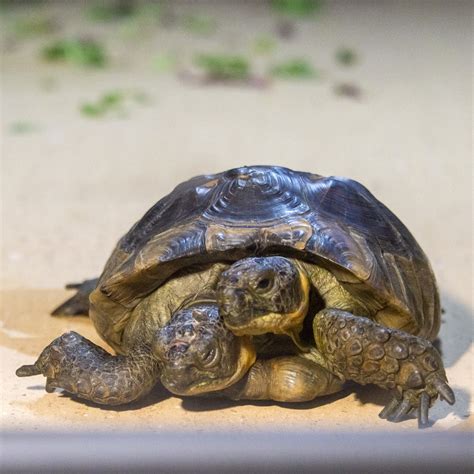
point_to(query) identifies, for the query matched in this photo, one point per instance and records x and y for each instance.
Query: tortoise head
(199, 354)
(264, 294)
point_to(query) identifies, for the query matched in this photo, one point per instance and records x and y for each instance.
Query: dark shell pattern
(262, 210)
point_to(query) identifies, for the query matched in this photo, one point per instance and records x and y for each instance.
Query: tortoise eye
(264, 284)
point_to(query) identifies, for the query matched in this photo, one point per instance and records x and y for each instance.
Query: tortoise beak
(233, 307)
(176, 379)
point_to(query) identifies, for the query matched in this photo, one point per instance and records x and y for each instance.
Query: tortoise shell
(266, 210)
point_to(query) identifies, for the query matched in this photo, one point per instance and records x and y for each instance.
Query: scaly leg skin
(285, 379)
(359, 349)
(79, 303)
(78, 366)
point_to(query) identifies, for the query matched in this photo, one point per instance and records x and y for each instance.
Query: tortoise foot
(64, 361)
(73, 363)
(359, 349)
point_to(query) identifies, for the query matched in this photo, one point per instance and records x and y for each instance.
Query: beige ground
(74, 185)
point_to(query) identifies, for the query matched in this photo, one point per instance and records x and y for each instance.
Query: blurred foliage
(293, 69)
(224, 67)
(297, 8)
(77, 51)
(109, 101)
(92, 110)
(22, 127)
(116, 10)
(264, 45)
(144, 21)
(140, 20)
(112, 102)
(204, 25)
(164, 62)
(346, 56)
(34, 25)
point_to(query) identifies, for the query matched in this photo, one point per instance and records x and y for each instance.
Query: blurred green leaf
(200, 24)
(297, 8)
(164, 62)
(346, 56)
(21, 127)
(264, 45)
(294, 69)
(34, 25)
(116, 10)
(144, 21)
(112, 102)
(82, 52)
(224, 67)
(111, 99)
(92, 110)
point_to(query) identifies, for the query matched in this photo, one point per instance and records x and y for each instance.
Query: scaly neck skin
(295, 320)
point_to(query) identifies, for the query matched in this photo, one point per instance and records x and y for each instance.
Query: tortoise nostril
(187, 330)
(232, 300)
(176, 349)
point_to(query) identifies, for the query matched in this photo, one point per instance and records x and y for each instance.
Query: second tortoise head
(263, 294)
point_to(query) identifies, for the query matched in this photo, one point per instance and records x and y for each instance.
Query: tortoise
(286, 253)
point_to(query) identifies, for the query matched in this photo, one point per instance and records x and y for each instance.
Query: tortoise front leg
(285, 379)
(78, 366)
(359, 349)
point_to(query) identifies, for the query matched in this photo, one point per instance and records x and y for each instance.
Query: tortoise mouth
(236, 309)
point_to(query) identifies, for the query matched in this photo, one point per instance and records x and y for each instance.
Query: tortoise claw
(419, 400)
(423, 410)
(444, 390)
(389, 408)
(402, 409)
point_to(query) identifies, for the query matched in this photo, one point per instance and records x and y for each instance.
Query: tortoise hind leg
(285, 379)
(78, 303)
(75, 364)
(359, 349)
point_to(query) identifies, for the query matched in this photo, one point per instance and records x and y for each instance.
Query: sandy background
(72, 185)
